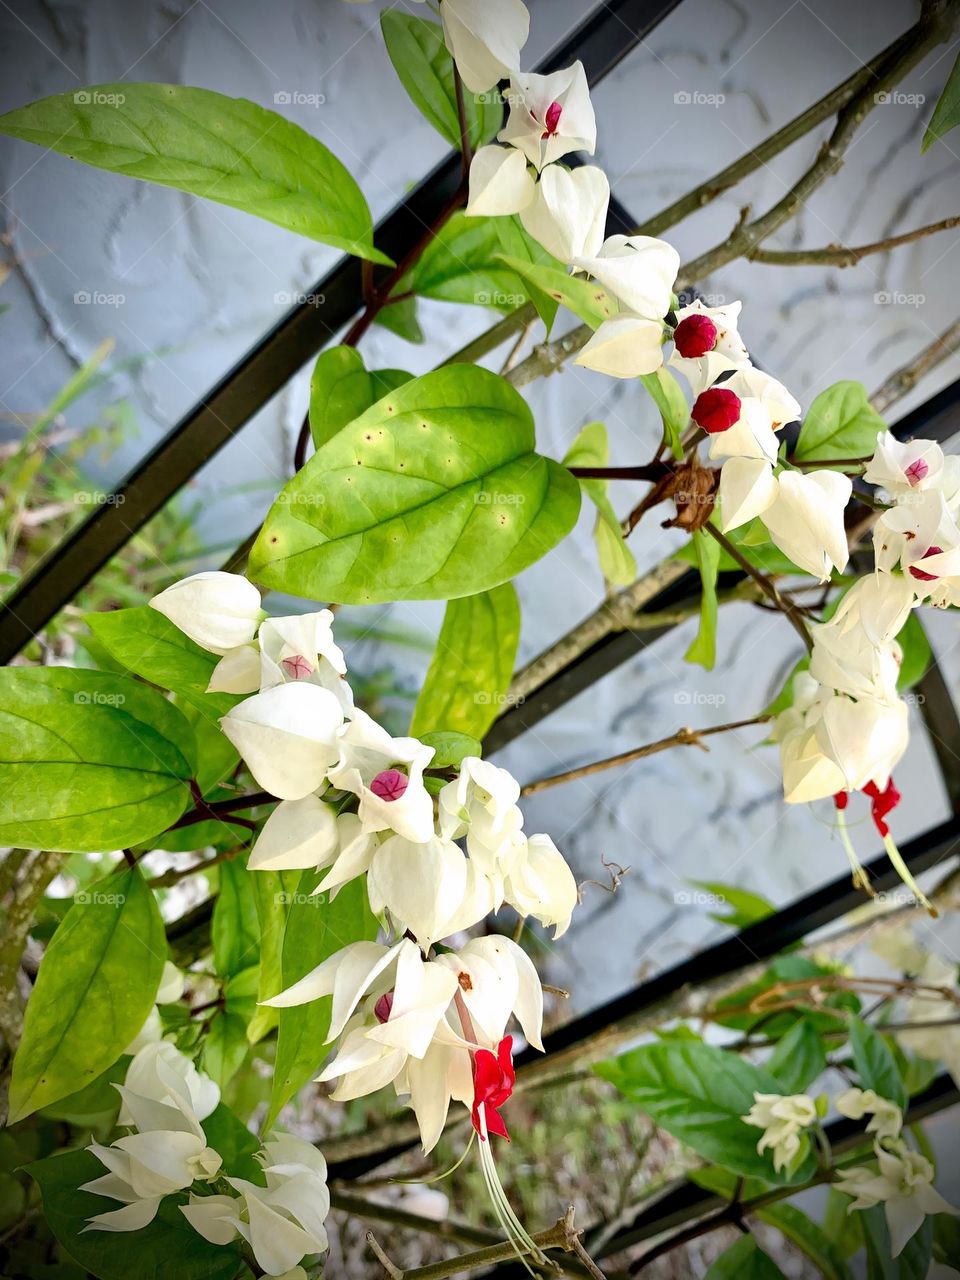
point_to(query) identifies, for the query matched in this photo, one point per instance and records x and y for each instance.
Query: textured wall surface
(192, 286)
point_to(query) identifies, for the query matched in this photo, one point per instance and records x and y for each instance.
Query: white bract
(903, 1184)
(485, 38)
(806, 520)
(568, 211)
(500, 183)
(638, 270)
(287, 736)
(550, 115)
(783, 1118)
(387, 775)
(219, 611)
(625, 346)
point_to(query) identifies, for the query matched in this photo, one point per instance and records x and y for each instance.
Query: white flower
(422, 886)
(301, 648)
(216, 1218)
(142, 1168)
(866, 738)
(496, 977)
(219, 611)
(750, 383)
(238, 671)
(886, 1118)
(540, 884)
(923, 536)
(287, 737)
(298, 834)
(482, 805)
(638, 270)
(748, 488)
(485, 38)
(284, 1223)
(903, 1185)
(355, 850)
(752, 435)
(625, 346)
(706, 343)
(877, 604)
(500, 183)
(782, 1119)
(550, 115)
(568, 212)
(164, 1090)
(806, 520)
(904, 468)
(855, 653)
(387, 775)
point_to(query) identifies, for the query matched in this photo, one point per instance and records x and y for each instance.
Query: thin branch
(393, 1271)
(767, 585)
(902, 382)
(514, 352)
(223, 809)
(682, 738)
(167, 879)
(838, 255)
(466, 152)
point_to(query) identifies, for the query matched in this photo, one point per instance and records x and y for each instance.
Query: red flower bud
(390, 784)
(881, 803)
(921, 574)
(297, 667)
(716, 409)
(383, 1008)
(552, 119)
(695, 336)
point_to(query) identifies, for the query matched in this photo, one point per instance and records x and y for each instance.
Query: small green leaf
(841, 423)
(341, 389)
(700, 1094)
(225, 149)
(97, 983)
(798, 1058)
(587, 300)
(450, 748)
(273, 892)
(235, 930)
(434, 493)
(225, 1047)
(463, 263)
(875, 1064)
(401, 318)
(745, 907)
(946, 114)
(88, 761)
(591, 449)
(169, 1246)
(917, 654)
(425, 69)
(703, 650)
(744, 1260)
(315, 930)
(912, 1263)
(674, 411)
(470, 674)
(516, 242)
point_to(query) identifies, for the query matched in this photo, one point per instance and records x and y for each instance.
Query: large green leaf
(463, 263)
(169, 1246)
(97, 983)
(88, 761)
(703, 650)
(342, 388)
(841, 423)
(516, 242)
(273, 892)
(235, 929)
(425, 69)
(744, 1260)
(585, 298)
(700, 1093)
(798, 1059)
(875, 1064)
(946, 114)
(912, 1263)
(809, 1237)
(434, 493)
(472, 667)
(315, 930)
(591, 449)
(225, 149)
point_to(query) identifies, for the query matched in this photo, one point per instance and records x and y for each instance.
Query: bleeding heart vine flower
(218, 611)
(550, 115)
(706, 343)
(288, 737)
(567, 212)
(386, 774)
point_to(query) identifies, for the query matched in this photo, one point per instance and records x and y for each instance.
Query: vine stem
(682, 738)
(838, 255)
(767, 585)
(222, 809)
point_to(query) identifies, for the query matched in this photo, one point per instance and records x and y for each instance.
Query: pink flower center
(297, 667)
(695, 336)
(390, 784)
(919, 573)
(551, 119)
(716, 409)
(383, 1008)
(917, 471)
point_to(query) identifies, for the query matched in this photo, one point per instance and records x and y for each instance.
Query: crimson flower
(493, 1081)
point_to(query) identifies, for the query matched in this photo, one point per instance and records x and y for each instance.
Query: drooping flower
(782, 1119)
(485, 38)
(550, 115)
(287, 736)
(541, 884)
(706, 343)
(500, 183)
(568, 211)
(218, 611)
(903, 1185)
(903, 468)
(886, 1118)
(638, 270)
(366, 754)
(806, 520)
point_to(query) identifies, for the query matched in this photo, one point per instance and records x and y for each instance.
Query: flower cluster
(164, 1100)
(355, 801)
(783, 1118)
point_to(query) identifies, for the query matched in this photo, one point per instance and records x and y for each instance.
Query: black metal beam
(606, 36)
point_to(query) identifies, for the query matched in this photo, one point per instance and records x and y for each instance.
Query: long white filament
(896, 857)
(860, 877)
(513, 1228)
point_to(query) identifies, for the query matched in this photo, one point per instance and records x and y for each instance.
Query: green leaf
(744, 1260)
(463, 263)
(234, 1142)
(235, 930)
(272, 891)
(434, 493)
(516, 242)
(875, 1064)
(798, 1058)
(841, 423)
(400, 317)
(946, 1238)
(315, 930)
(587, 300)
(425, 68)
(225, 149)
(470, 674)
(786, 968)
(946, 114)
(703, 650)
(88, 761)
(745, 907)
(169, 1246)
(674, 411)
(97, 983)
(700, 1093)
(591, 449)
(225, 1047)
(149, 645)
(341, 389)
(913, 1263)
(917, 654)
(841, 1227)
(450, 747)
(96, 1104)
